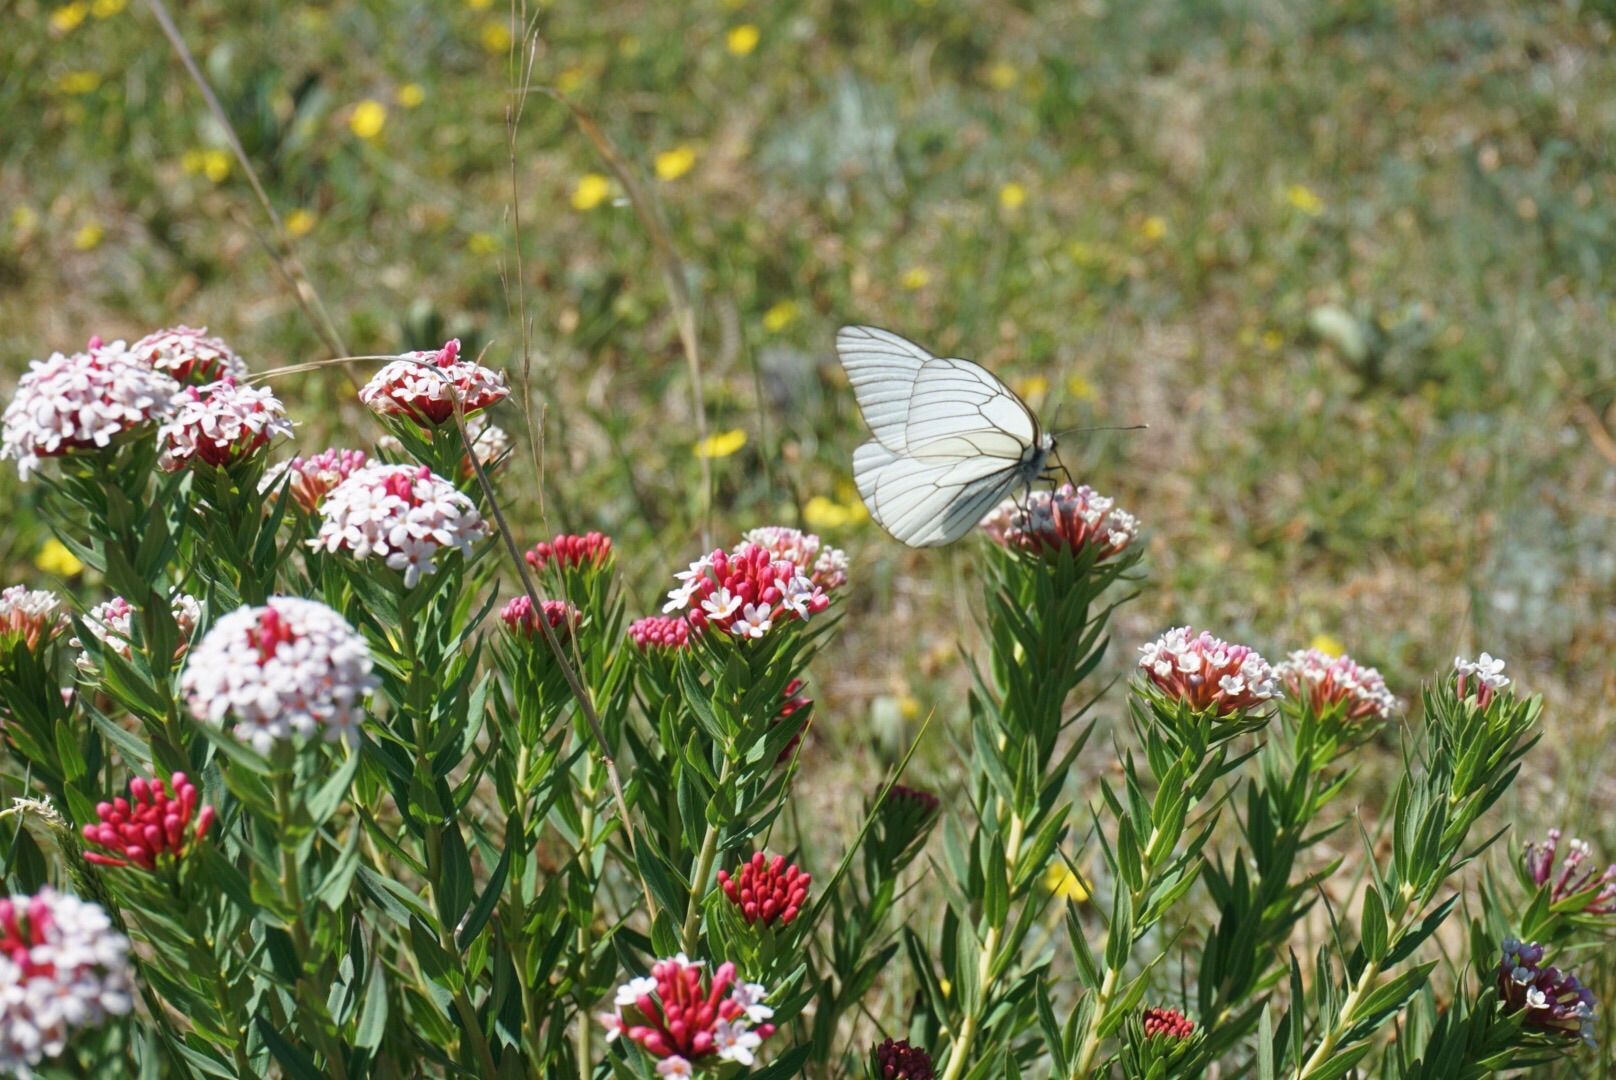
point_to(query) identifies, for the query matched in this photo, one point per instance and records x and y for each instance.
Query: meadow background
(1352, 263)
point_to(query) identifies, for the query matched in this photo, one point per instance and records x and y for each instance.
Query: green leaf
(467, 932)
(293, 1059)
(1372, 929)
(324, 802)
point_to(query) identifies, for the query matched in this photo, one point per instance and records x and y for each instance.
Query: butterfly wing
(958, 407)
(883, 369)
(935, 500)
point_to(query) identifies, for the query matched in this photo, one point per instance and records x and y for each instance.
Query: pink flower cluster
(1327, 682)
(62, 967)
(1167, 1024)
(825, 566)
(29, 617)
(313, 478)
(767, 891)
(1577, 880)
(570, 551)
(291, 667)
(744, 593)
(1481, 678)
(189, 355)
(896, 1059)
(1553, 1000)
(1078, 518)
(520, 620)
(659, 632)
(404, 514)
(150, 824)
(677, 1017)
(1207, 673)
(221, 424)
(82, 402)
(424, 386)
(109, 623)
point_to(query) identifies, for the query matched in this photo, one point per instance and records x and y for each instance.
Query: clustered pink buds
(28, 617)
(221, 424)
(1480, 679)
(1327, 682)
(1076, 518)
(571, 552)
(290, 667)
(109, 623)
(659, 632)
(404, 514)
(189, 355)
(82, 402)
(1207, 673)
(520, 620)
(1553, 1000)
(745, 592)
(677, 1018)
(1167, 1024)
(313, 478)
(895, 1059)
(424, 386)
(62, 967)
(825, 566)
(149, 824)
(767, 891)
(1578, 879)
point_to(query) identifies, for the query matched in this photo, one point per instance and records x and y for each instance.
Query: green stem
(702, 870)
(1361, 988)
(585, 866)
(986, 960)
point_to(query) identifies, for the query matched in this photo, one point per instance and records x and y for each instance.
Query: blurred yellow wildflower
(55, 557)
(742, 39)
(1302, 198)
(89, 236)
(780, 316)
(1012, 195)
(496, 37)
(212, 163)
(822, 513)
(79, 82)
(368, 118)
(672, 164)
(479, 5)
(1153, 228)
(482, 243)
(1272, 340)
(1327, 645)
(23, 218)
(300, 222)
(628, 46)
(572, 78)
(1081, 389)
(916, 277)
(66, 19)
(106, 9)
(410, 95)
(1063, 883)
(591, 190)
(1002, 76)
(720, 444)
(1032, 386)
(908, 706)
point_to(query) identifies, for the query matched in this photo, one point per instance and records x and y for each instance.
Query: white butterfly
(951, 441)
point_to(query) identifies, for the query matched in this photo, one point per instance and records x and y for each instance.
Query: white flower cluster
(425, 385)
(221, 423)
(1207, 672)
(1488, 670)
(189, 355)
(62, 967)
(825, 565)
(291, 667)
(28, 616)
(1072, 517)
(109, 623)
(1325, 680)
(404, 514)
(82, 401)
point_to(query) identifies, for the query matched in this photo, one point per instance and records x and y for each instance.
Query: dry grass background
(1136, 212)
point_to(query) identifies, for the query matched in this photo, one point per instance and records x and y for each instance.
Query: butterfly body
(950, 440)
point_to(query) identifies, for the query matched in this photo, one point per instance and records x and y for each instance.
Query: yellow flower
(742, 39)
(1002, 76)
(1153, 228)
(1272, 340)
(672, 164)
(479, 5)
(1302, 198)
(908, 706)
(1032, 386)
(822, 513)
(300, 222)
(66, 19)
(721, 444)
(572, 78)
(945, 986)
(1081, 389)
(1063, 883)
(106, 9)
(89, 236)
(23, 218)
(1012, 195)
(496, 37)
(591, 190)
(57, 558)
(780, 316)
(410, 95)
(79, 82)
(1327, 645)
(369, 116)
(916, 277)
(214, 164)
(629, 46)
(482, 243)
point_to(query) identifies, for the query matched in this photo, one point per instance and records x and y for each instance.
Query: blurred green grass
(1351, 262)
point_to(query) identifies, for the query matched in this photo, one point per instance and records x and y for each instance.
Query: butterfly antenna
(1107, 427)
